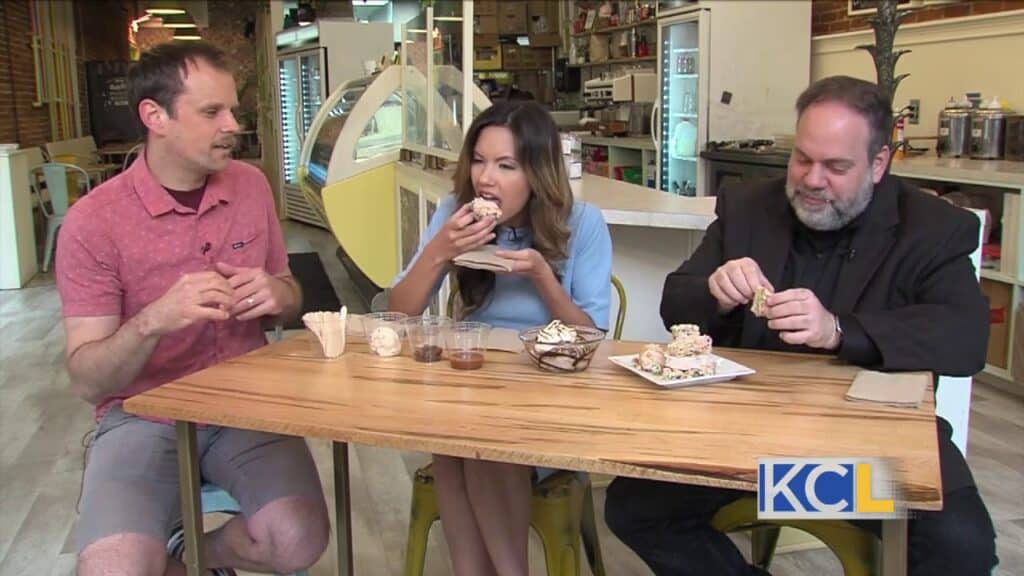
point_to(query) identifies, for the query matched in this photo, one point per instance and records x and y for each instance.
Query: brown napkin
(902, 390)
(483, 259)
(505, 339)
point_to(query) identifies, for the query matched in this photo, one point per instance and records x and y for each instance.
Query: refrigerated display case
(682, 126)
(347, 166)
(310, 63)
(716, 84)
(301, 92)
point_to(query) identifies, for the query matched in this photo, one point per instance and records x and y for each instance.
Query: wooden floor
(42, 427)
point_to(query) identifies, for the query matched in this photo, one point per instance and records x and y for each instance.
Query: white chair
(55, 177)
(953, 397)
(132, 153)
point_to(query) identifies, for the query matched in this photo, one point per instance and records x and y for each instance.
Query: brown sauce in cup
(427, 353)
(466, 360)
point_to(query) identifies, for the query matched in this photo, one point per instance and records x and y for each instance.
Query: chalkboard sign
(110, 109)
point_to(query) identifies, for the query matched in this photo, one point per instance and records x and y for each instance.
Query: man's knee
(127, 554)
(617, 511)
(297, 532)
(958, 540)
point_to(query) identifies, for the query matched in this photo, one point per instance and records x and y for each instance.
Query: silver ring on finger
(250, 301)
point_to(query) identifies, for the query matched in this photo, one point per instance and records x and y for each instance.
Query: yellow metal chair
(855, 548)
(561, 509)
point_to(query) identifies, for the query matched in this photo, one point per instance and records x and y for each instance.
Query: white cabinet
(418, 192)
(17, 234)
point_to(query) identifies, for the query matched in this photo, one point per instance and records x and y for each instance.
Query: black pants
(667, 524)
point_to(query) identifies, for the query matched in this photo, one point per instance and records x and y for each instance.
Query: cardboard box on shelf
(485, 40)
(488, 7)
(512, 17)
(535, 58)
(598, 48)
(1000, 302)
(543, 17)
(484, 24)
(537, 83)
(545, 40)
(511, 56)
(487, 58)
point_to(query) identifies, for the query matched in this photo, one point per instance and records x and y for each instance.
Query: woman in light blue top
(561, 257)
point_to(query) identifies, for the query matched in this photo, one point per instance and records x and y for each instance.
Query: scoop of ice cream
(385, 341)
(557, 333)
(483, 208)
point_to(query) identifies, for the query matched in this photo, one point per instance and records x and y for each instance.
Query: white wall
(949, 57)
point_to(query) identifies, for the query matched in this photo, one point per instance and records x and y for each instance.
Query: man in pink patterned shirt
(173, 266)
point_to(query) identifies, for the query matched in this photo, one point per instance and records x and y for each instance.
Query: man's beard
(834, 214)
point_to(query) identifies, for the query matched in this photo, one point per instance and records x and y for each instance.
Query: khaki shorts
(131, 477)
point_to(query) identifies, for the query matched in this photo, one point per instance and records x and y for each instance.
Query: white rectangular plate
(727, 370)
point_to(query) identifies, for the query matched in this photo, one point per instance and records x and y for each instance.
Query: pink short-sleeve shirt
(124, 244)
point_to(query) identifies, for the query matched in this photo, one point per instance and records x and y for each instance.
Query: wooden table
(602, 420)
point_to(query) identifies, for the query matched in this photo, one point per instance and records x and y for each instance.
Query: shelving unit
(615, 61)
(1004, 286)
(620, 28)
(635, 151)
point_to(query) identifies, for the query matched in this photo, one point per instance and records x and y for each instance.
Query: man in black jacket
(857, 263)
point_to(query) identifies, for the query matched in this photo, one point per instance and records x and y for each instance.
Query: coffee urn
(954, 131)
(988, 133)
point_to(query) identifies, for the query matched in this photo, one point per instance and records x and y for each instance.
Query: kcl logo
(824, 488)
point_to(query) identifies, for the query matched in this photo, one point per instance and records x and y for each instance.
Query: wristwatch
(839, 331)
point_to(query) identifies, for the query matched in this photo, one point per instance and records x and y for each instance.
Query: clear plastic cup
(466, 343)
(426, 336)
(384, 332)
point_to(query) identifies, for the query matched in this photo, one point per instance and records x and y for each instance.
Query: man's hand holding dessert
(800, 318)
(734, 283)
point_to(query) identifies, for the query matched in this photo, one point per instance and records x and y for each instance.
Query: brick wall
(229, 22)
(19, 121)
(830, 16)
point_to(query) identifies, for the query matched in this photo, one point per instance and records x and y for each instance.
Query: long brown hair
(539, 153)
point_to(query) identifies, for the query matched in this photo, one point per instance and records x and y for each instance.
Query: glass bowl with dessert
(559, 347)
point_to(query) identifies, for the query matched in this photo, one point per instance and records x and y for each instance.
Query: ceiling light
(178, 21)
(187, 34)
(164, 11)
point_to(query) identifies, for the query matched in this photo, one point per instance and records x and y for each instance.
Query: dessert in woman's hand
(482, 208)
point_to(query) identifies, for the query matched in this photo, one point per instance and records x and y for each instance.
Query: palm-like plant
(885, 22)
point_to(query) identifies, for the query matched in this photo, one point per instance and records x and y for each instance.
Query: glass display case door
(288, 73)
(312, 82)
(680, 105)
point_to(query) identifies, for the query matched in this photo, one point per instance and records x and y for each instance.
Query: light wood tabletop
(604, 419)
